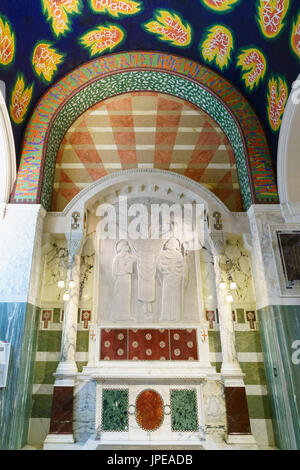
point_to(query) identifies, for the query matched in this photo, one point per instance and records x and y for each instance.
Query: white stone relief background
(141, 311)
(240, 272)
(56, 254)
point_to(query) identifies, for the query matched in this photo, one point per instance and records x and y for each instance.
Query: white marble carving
(172, 270)
(146, 253)
(122, 269)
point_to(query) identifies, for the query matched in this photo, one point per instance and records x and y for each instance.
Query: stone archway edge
(256, 169)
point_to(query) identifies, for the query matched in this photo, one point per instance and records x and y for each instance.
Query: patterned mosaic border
(90, 83)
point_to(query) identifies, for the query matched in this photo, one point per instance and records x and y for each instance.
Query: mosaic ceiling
(146, 130)
(255, 44)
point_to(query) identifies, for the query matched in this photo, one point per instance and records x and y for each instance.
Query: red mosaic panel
(183, 345)
(150, 345)
(113, 344)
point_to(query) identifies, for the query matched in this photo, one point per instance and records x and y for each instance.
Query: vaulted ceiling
(146, 130)
(255, 44)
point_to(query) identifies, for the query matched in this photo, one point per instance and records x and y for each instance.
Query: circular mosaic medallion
(149, 410)
(106, 344)
(162, 344)
(120, 336)
(120, 352)
(148, 336)
(190, 344)
(176, 336)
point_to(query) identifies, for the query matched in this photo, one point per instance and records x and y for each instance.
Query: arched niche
(143, 71)
(288, 163)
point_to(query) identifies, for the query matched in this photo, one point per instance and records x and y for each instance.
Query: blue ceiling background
(30, 26)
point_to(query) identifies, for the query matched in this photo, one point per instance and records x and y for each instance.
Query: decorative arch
(143, 71)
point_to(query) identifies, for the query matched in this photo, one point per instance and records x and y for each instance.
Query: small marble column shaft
(238, 422)
(67, 365)
(62, 405)
(230, 364)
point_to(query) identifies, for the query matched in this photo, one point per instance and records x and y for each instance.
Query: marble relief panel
(146, 281)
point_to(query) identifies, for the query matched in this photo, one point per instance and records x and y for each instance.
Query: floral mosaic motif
(277, 97)
(30, 176)
(45, 60)
(149, 410)
(7, 42)
(295, 37)
(217, 46)
(103, 38)
(20, 99)
(271, 15)
(184, 410)
(58, 12)
(170, 27)
(114, 410)
(116, 8)
(220, 6)
(254, 65)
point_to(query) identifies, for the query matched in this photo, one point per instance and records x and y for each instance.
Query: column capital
(75, 244)
(217, 243)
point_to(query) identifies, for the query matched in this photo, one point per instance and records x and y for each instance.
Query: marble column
(61, 429)
(21, 227)
(238, 422)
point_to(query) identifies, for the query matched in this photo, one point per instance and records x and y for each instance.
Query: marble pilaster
(65, 376)
(230, 365)
(20, 237)
(238, 422)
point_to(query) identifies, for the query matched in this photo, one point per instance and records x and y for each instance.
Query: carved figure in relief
(122, 269)
(146, 256)
(171, 266)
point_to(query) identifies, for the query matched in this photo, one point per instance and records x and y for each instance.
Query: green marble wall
(280, 327)
(18, 325)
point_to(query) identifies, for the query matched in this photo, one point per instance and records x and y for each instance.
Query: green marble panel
(240, 315)
(41, 406)
(280, 330)
(248, 341)
(184, 410)
(214, 341)
(114, 410)
(259, 407)
(82, 341)
(80, 365)
(18, 325)
(49, 341)
(43, 372)
(255, 373)
(56, 315)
